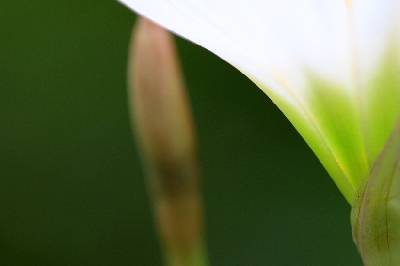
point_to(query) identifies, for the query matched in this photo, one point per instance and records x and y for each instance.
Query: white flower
(332, 66)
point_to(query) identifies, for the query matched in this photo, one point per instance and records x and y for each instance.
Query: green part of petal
(381, 101)
(329, 125)
(346, 132)
(337, 118)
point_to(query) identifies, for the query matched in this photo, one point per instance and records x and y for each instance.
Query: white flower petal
(262, 38)
(285, 46)
(374, 28)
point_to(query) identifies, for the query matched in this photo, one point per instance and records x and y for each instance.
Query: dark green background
(71, 188)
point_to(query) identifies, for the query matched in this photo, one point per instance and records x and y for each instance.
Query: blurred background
(71, 187)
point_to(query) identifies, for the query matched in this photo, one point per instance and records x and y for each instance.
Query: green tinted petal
(337, 118)
(381, 102)
(330, 125)
(347, 130)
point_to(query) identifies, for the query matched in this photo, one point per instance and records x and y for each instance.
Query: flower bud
(166, 137)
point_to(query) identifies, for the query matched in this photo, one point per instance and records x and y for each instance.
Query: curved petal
(376, 34)
(314, 58)
(262, 38)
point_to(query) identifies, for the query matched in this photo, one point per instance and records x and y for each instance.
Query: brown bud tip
(160, 108)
